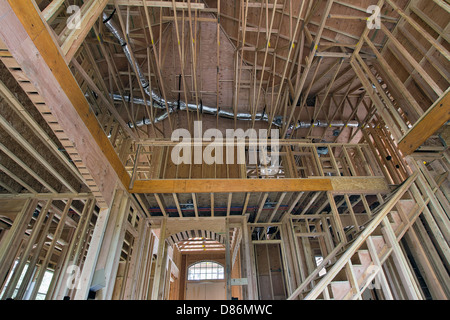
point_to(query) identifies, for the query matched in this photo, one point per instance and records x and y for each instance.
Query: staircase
(358, 273)
(353, 266)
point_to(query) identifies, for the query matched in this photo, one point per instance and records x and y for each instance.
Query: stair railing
(346, 256)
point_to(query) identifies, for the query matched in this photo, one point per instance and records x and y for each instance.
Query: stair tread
(340, 289)
(364, 257)
(406, 204)
(410, 200)
(361, 259)
(340, 282)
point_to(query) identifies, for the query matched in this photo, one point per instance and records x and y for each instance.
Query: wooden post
(146, 265)
(227, 260)
(165, 273)
(138, 252)
(393, 281)
(336, 218)
(286, 260)
(29, 246)
(328, 238)
(56, 237)
(159, 260)
(112, 242)
(61, 287)
(93, 254)
(308, 254)
(59, 271)
(352, 279)
(248, 262)
(84, 232)
(10, 243)
(352, 213)
(298, 267)
(403, 269)
(35, 254)
(381, 276)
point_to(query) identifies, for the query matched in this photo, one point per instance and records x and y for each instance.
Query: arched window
(206, 270)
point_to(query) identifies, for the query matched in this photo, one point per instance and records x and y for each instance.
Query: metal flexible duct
(173, 106)
(241, 116)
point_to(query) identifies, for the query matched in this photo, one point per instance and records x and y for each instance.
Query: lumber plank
(335, 184)
(158, 4)
(33, 45)
(431, 121)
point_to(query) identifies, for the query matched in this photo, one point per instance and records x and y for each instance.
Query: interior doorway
(206, 281)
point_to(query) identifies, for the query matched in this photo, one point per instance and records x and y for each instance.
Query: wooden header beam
(335, 184)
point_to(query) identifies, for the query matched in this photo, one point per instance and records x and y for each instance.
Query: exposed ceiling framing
(292, 62)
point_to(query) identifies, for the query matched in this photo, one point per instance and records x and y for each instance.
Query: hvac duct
(173, 106)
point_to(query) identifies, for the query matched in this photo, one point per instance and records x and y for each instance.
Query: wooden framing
(369, 184)
(23, 16)
(158, 4)
(422, 31)
(309, 60)
(322, 285)
(124, 214)
(52, 225)
(71, 39)
(436, 116)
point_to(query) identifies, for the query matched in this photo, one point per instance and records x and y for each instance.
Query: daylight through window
(206, 270)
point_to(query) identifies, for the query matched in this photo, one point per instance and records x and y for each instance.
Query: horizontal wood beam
(258, 29)
(264, 5)
(431, 121)
(334, 184)
(230, 185)
(158, 4)
(235, 141)
(333, 54)
(198, 19)
(41, 196)
(359, 185)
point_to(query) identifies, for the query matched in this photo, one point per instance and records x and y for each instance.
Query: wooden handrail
(315, 272)
(387, 207)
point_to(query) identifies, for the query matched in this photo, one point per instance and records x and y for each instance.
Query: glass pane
(206, 270)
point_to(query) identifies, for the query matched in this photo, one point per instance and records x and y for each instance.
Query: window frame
(217, 271)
